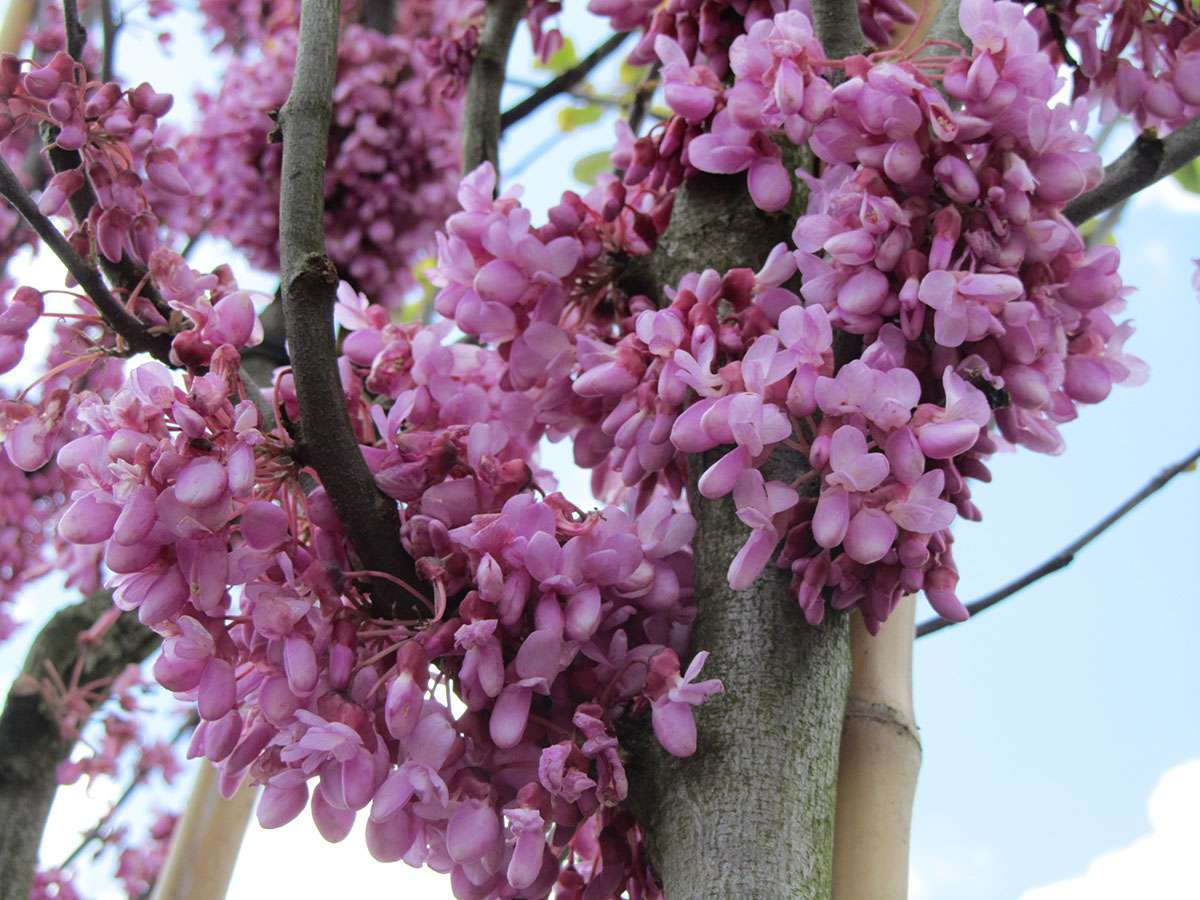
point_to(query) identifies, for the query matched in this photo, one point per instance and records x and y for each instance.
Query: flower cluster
(550, 624)
(134, 176)
(1139, 59)
(938, 237)
(393, 158)
(932, 306)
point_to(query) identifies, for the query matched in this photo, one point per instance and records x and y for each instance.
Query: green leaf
(588, 168)
(1189, 176)
(633, 74)
(562, 59)
(572, 117)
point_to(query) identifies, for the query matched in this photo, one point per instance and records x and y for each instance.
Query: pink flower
(671, 710)
(760, 506)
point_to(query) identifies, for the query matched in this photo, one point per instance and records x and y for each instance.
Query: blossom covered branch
(926, 231)
(131, 329)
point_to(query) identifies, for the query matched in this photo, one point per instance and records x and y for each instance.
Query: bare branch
(1066, 556)
(124, 323)
(76, 33)
(564, 83)
(379, 15)
(31, 742)
(110, 27)
(327, 439)
(1149, 159)
(481, 113)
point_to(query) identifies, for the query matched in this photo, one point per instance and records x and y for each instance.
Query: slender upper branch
(109, 28)
(1066, 556)
(379, 15)
(76, 33)
(310, 280)
(1148, 159)
(481, 114)
(124, 323)
(563, 83)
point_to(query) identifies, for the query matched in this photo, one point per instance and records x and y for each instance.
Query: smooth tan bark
(206, 842)
(878, 764)
(15, 25)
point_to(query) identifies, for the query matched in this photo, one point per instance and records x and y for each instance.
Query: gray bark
(751, 814)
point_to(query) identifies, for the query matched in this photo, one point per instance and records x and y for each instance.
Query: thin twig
(563, 83)
(110, 27)
(94, 833)
(76, 33)
(1149, 159)
(1066, 556)
(481, 112)
(1105, 225)
(310, 280)
(132, 330)
(379, 15)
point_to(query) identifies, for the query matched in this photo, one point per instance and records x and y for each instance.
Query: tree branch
(110, 27)
(1066, 556)
(1148, 159)
(31, 741)
(563, 83)
(310, 280)
(641, 97)
(76, 33)
(481, 112)
(124, 323)
(379, 15)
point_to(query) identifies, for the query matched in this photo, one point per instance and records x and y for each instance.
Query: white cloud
(1158, 866)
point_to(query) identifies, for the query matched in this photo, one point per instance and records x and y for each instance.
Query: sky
(1061, 741)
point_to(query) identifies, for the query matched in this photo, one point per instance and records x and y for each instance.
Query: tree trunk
(751, 814)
